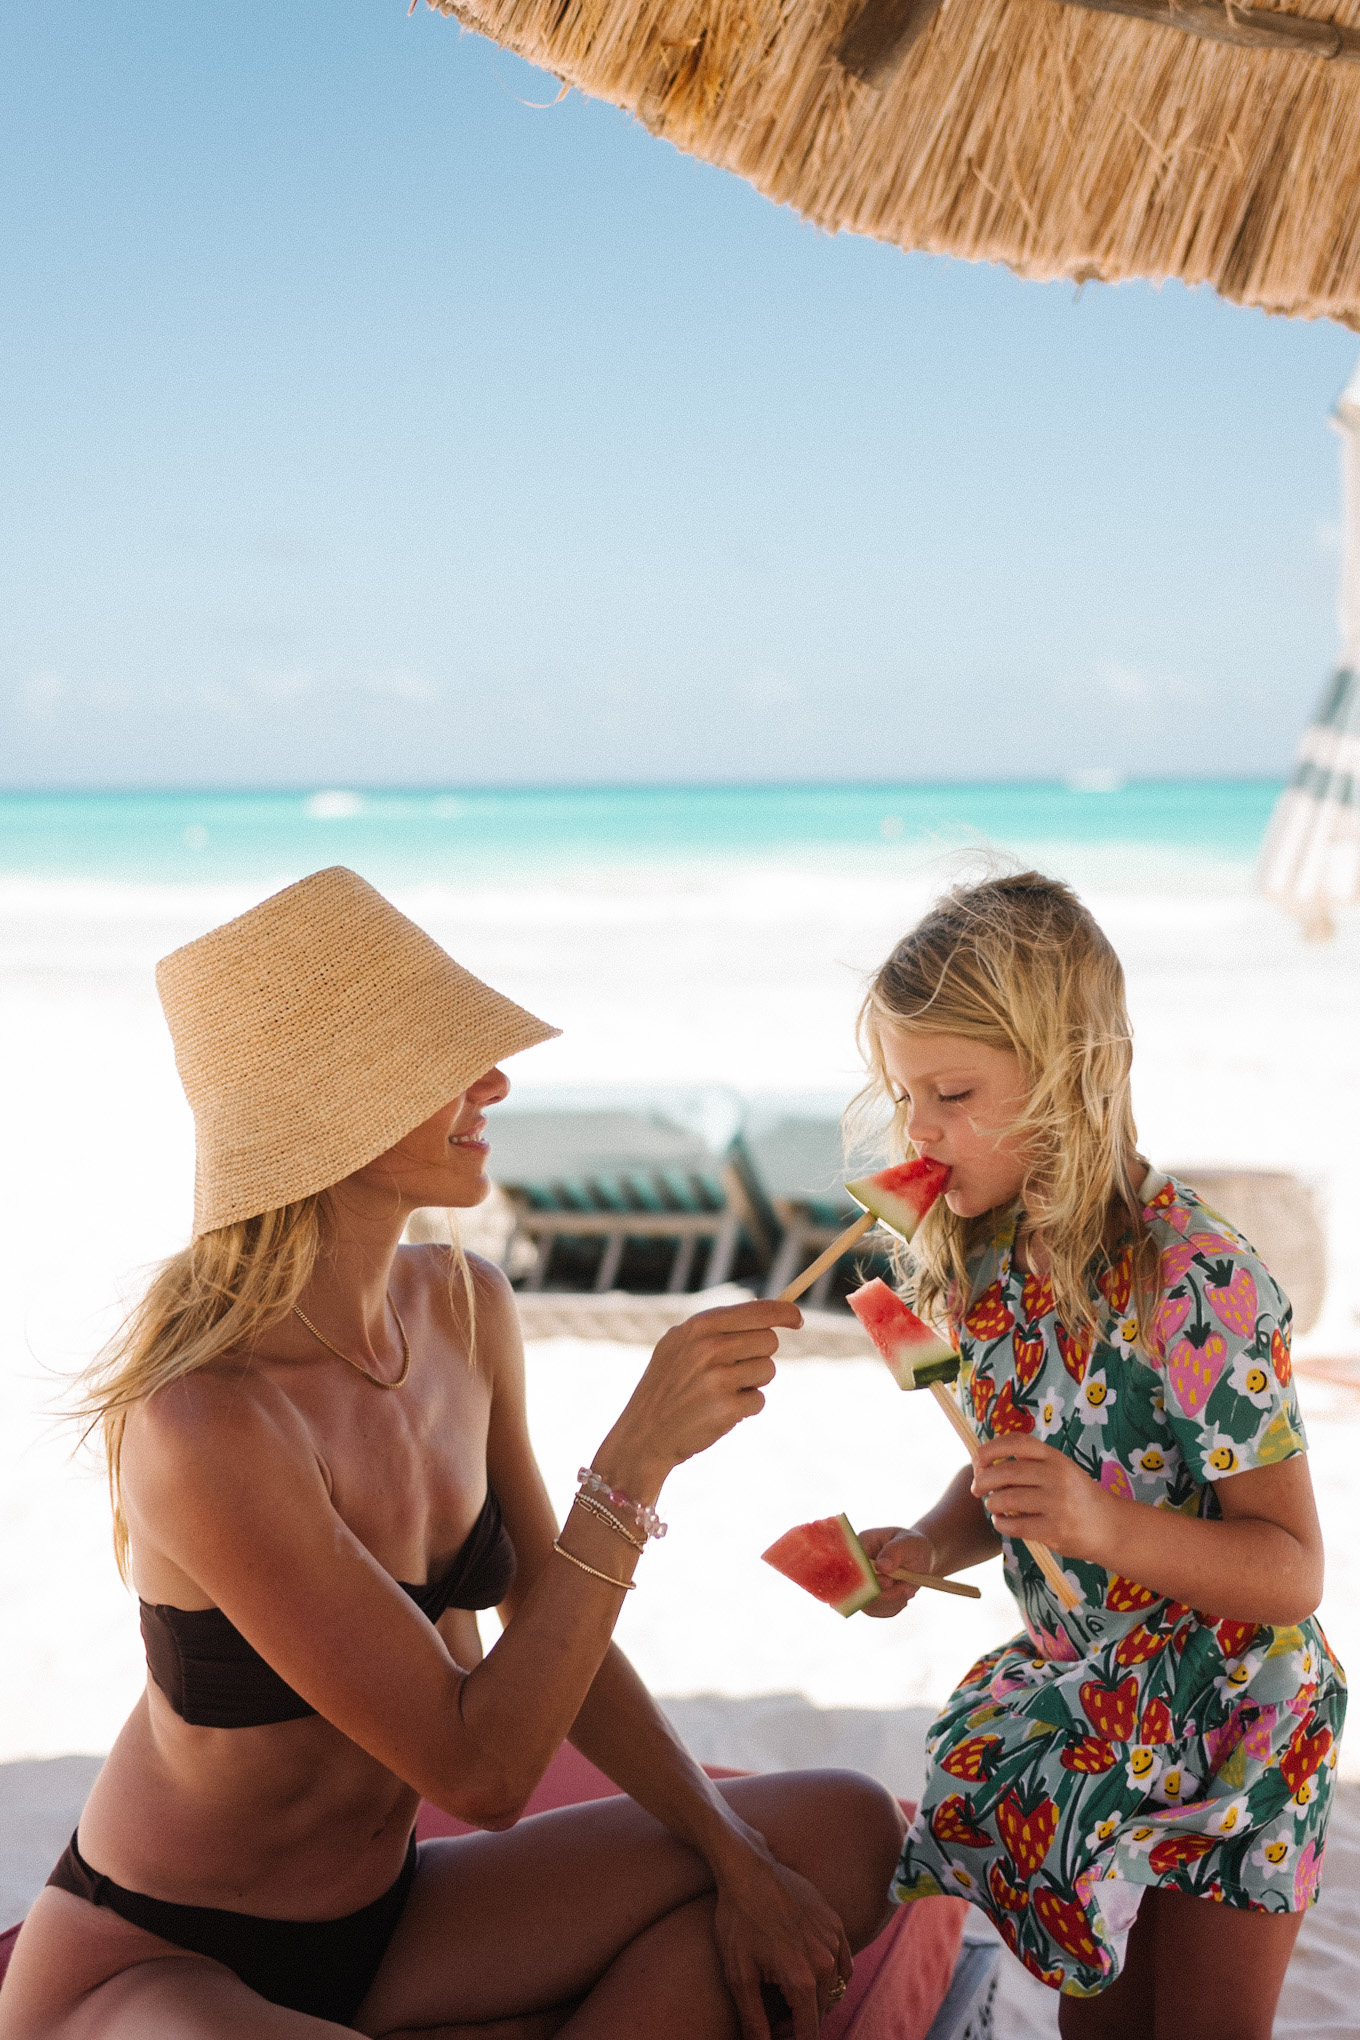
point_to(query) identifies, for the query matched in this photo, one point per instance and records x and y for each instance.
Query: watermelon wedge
(828, 1561)
(916, 1355)
(901, 1196)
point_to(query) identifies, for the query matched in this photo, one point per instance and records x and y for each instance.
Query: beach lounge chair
(800, 1161)
(918, 1980)
(613, 1176)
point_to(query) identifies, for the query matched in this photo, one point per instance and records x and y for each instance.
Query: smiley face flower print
(1133, 1741)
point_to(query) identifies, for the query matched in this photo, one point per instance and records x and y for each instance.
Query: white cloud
(1126, 684)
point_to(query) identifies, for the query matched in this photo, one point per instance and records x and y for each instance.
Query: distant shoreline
(472, 837)
(302, 789)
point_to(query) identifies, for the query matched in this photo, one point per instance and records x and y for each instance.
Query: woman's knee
(839, 1829)
(869, 1824)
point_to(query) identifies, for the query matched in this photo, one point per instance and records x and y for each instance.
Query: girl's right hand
(888, 1549)
(704, 1377)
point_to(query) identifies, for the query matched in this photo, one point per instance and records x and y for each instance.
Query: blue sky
(363, 423)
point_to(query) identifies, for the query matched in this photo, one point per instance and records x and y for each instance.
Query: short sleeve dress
(1133, 1741)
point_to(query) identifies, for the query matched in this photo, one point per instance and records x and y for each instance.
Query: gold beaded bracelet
(560, 1548)
(602, 1515)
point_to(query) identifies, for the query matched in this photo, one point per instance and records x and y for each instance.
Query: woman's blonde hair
(217, 1296)
(1018, 962)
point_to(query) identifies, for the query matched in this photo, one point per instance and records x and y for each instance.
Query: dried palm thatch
(1090, 139)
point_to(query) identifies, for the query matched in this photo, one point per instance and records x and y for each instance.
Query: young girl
(1125, 1363)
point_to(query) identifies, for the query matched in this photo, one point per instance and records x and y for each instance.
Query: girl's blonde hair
(217, 1296)
(1018, 962)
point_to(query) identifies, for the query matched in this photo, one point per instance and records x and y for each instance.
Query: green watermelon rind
(871, 1590)
(938, 1361)
(946, 1368)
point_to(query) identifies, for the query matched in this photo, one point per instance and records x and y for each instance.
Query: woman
(320, 1468)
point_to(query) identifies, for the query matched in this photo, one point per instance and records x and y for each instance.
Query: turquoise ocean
(489, 836)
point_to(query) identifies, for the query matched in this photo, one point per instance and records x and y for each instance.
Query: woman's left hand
(1030, 1489)
(773, 1927)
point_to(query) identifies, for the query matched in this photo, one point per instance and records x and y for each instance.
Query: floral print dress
(1132, 1741)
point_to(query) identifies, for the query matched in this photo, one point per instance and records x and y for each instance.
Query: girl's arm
(956, 1533)
(1261, 1563)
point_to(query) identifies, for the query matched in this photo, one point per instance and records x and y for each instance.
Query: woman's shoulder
(470, 1297)
(226, 1431)
(432, 1261)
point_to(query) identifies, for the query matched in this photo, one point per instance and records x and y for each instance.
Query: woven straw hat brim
(315, 1031)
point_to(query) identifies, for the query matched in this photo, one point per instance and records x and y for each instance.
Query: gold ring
(837, 1991)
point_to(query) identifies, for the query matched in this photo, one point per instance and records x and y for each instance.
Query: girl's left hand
(1030, 1489)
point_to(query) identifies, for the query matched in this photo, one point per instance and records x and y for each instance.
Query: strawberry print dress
(1132, 1741)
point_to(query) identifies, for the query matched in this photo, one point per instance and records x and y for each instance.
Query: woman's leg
(81, 1973)
(538, 1919)
(1196, 1970)
(580, 1919)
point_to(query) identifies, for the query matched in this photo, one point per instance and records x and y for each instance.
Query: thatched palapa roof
(1067, 138)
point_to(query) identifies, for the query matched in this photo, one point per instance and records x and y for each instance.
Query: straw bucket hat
(315, 1031)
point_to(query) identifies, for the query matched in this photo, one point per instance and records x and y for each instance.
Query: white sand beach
(1248, 1054)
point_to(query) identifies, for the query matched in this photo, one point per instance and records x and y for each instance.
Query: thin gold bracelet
(602, 1515)
(560, 1548)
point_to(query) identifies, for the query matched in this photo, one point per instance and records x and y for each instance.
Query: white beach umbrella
(1311, 861)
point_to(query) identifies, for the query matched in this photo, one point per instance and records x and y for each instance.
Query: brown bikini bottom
(324, 1967)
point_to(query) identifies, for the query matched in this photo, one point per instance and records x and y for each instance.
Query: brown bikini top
(212, 1677)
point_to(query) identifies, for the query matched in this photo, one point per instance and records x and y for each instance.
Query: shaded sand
(39, 1804)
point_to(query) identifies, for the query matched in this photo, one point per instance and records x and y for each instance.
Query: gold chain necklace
(357, 1365)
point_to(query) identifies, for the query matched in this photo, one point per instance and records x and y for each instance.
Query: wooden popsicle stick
(925, 1579)
(840, 1245)
(1040, 1553)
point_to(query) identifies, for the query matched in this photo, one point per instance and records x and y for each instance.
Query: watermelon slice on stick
(901, 1196)
(828, 1561)
(916, 1356)
(898, 1197)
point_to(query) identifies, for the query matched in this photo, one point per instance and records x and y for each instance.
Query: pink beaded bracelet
(647, 1520)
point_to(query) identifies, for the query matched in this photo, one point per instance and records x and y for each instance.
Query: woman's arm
(766, 1913)
(955, 1534)
(223, 1477)
(1261, 1563)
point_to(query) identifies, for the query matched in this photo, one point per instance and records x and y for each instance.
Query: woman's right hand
(888, 1549)
(704, 1377)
